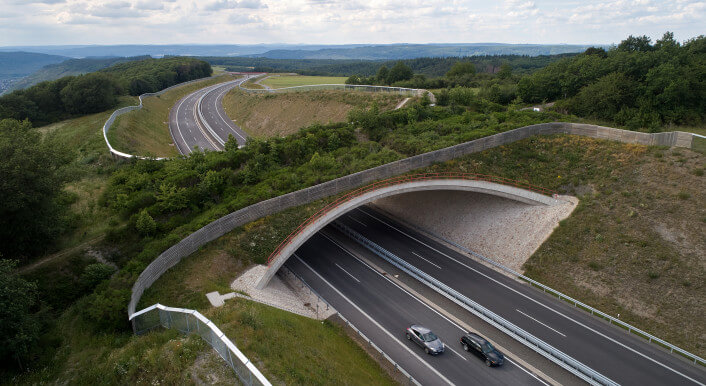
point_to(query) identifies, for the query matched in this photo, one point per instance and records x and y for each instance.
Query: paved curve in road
(382, 310)
(622, 357)
(190, 131)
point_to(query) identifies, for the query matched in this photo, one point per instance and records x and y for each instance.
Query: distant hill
(411, 51)
(18, 64)
(69, 67)
(308, 51)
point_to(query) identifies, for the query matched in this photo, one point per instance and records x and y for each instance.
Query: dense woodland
(72, 96)
(160, 202)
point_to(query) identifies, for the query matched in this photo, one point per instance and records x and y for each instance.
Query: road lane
(618, 355)
(382, 310)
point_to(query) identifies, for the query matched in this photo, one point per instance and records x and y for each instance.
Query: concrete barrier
(227, 223)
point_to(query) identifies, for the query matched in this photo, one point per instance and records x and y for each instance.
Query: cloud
(220, 5)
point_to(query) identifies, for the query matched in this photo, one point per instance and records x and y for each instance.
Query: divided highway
(382, 310)
(199, 121)
(622, 357)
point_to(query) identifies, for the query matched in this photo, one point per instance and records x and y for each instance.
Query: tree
(636, 43)
(460, 69)
(90, 93)
(600, 52)
(30, 186)
(399, 71)
(19, 325)
(382, 75)
(145, 224)
(505, 71)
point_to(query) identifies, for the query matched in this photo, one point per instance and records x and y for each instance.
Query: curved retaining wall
(225, 224)
(121, 111)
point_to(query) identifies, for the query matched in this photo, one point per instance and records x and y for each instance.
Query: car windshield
(429, 336)
(487, 347)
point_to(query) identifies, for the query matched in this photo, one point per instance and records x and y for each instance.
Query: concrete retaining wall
(225, 224)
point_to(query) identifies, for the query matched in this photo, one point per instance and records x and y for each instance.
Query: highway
(382, 310)
(622, 357)
(198, 120)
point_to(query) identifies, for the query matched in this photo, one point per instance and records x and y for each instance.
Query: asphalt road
(620, 356)
(382, 310)
(198, 120)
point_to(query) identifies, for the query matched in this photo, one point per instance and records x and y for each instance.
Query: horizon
(335, 22)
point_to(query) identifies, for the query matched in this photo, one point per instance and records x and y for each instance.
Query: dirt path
(401, 104)
(58, 254)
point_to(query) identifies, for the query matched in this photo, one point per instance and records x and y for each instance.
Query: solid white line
(416, 254)
(215, 104)
(542, 304)
(350, 217)
(349, 274)
(545, 325)
(454, 351)
(528, 372)
(395, 339)
(179, 130)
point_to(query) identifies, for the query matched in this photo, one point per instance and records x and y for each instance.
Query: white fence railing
(188, 321)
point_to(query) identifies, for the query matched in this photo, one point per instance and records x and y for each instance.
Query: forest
(73, 96)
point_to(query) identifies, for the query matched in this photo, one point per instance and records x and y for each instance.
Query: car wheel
(465, 347)
(487, 362)
(426, 350)
(408, 337)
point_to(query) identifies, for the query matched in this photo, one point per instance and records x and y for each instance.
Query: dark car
(425, 339)
(482, 348)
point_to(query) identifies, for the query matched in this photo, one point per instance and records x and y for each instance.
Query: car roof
(476, 337)
(421, 329)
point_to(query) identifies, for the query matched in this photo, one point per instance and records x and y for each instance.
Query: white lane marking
(351, 217)
(419, 256)
(415, 298)
(545, 325)
(225, 120)
(454, 351)
(543, 305)
(348, 273)
(394, 339)
(528, 372)
(179, 130)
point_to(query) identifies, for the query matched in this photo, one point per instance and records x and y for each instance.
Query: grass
(270, 115)
(146, 131)
(280, 81)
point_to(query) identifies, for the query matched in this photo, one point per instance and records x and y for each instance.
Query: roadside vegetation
(145, 132)
(279, 114)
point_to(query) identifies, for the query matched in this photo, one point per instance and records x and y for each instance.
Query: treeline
(430, 67)
(636, 84)
(70, 96)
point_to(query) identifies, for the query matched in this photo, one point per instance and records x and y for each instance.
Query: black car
(482, 348)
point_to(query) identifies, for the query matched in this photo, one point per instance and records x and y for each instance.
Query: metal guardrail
(397, 367)
(567, 362)
(632, 329)
(188, 321)
(400, 180)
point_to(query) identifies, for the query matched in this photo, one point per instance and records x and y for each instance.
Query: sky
(62, 22)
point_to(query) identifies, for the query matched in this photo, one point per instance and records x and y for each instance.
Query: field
(146, 131)
(270, 115)
(280, 81)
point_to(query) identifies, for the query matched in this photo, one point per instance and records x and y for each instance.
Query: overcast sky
(50, 22)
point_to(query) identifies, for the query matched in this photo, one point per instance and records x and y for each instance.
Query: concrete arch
(491, 188)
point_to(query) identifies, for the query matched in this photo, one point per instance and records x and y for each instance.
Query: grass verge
(280, 81)
(146, 131)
